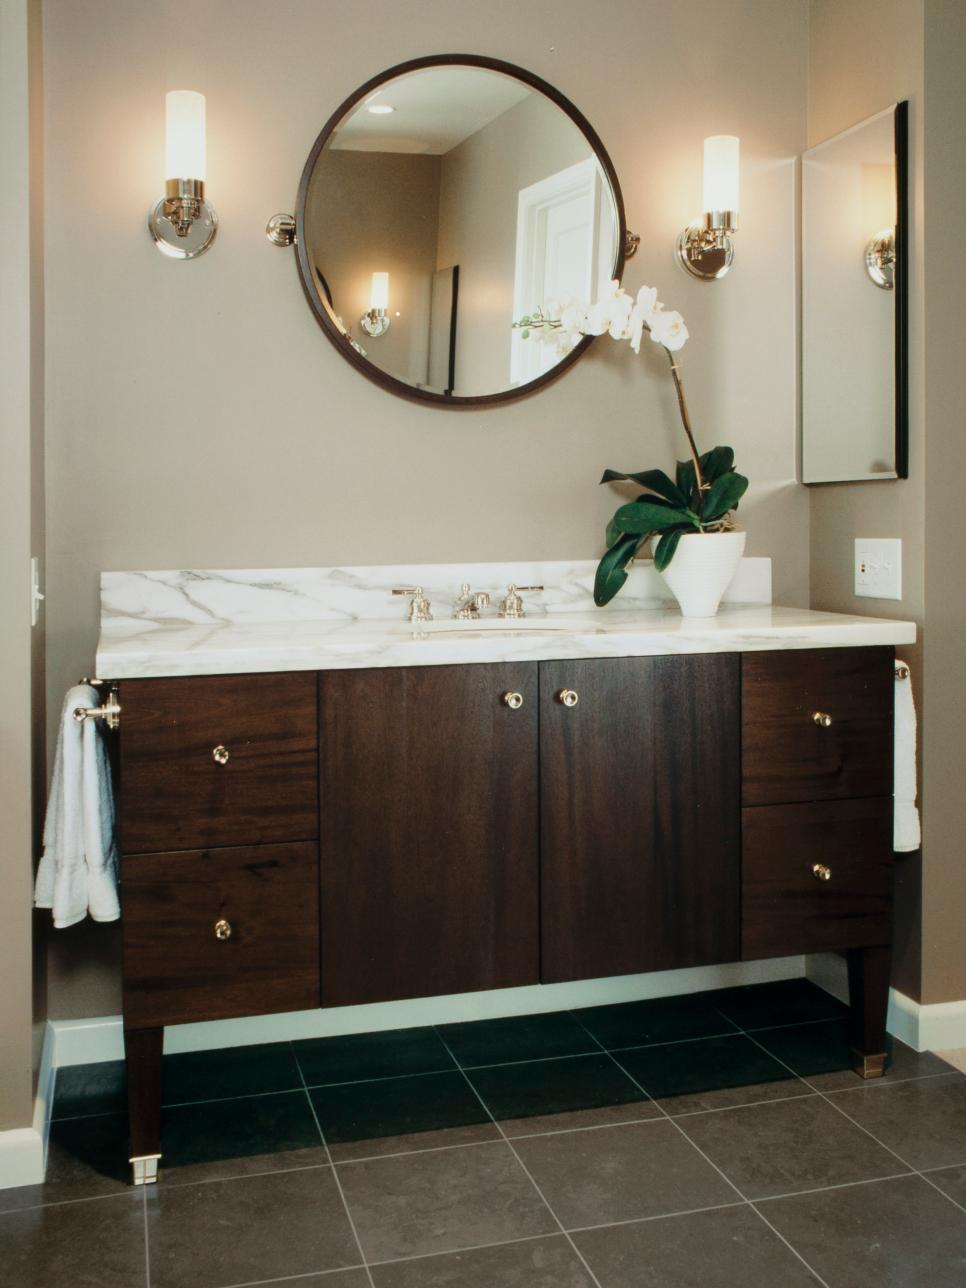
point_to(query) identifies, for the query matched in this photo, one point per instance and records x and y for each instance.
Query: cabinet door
(639, 814)
(429, 831)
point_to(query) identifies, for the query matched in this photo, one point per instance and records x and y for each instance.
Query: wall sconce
(376, 322)
(880, 259)
(182, 223)
(705, 248)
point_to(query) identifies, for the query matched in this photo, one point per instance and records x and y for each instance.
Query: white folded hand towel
(78, 868)
(906, 831)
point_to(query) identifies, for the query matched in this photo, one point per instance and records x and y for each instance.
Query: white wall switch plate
(878, 567)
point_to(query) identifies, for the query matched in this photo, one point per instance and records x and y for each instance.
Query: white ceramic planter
(702, 569)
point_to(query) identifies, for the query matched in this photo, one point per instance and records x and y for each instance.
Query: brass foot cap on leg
(144, 1169)
(869, 1066)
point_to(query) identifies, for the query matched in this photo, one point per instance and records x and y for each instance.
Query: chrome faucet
(420, 605)
(467, 607)
(512, 604)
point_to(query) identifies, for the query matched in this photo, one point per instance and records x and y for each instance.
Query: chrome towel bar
(109, 711)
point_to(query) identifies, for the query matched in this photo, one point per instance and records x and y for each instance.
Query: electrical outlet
(878, 567)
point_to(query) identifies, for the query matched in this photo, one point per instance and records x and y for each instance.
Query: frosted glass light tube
(184, 143)
(379, 296)
(721, 173)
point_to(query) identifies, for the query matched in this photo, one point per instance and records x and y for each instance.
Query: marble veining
(224, 622)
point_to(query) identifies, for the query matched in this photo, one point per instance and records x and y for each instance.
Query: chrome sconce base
(632, 243)
(705, 249)
(375, 323)
(280, 230)
(880, 259)
(182, 223)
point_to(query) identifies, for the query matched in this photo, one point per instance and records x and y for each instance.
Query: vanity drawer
(218, 760)
(210, 934)
(816, 724)
(788, 906)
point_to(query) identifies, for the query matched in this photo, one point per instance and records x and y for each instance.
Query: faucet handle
(420, 605)
(512, 604)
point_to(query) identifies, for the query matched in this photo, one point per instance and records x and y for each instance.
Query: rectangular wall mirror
(854, 292)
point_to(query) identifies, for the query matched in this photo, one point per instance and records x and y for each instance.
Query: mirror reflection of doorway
(566, 239)
(444, 300)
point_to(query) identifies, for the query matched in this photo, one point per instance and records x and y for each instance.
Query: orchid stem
(686, 422)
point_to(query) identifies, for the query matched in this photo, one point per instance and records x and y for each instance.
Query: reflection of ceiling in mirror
(435, 110)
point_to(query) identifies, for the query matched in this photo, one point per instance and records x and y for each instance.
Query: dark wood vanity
(320, 839)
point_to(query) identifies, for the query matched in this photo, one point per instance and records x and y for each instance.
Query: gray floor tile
(788, 1146)
(442, 1200)
(718, 1249)
(232, 1232)
(923, 1121)
(356, 1278)
(621, 1173)
(516, 1037)
(98, 1244)
(559, 1095)
(892, 1234)
(353, 1057)
(952, 1181)
(534, 1263)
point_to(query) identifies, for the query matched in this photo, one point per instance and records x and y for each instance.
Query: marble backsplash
(191, 597)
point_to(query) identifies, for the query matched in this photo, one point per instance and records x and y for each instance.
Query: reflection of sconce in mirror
(376, 322)
(182, 223)
(705, 248)
(880, 259)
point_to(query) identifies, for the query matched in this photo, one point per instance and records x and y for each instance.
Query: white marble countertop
(163, 624)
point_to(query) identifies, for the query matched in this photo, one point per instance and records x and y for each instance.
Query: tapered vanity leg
(143, 1051)
(869, 970)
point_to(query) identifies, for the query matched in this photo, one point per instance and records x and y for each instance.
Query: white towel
(906, 832)
(78, 869)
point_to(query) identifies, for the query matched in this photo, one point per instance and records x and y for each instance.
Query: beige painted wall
(479, 190)
(944, 698)
(864, 55)
(197, 417)
(379, 212)
(21, 534)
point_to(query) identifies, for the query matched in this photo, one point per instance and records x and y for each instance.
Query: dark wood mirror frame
(307, 272)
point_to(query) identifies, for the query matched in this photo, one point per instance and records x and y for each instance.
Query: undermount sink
(486, 627)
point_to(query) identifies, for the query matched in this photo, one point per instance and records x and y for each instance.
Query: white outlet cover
(878, 567)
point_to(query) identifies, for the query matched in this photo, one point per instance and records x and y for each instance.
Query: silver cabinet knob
(821, 873)
(569, 697)
(822, 719)
(221, 755)
(513, 700)
(222, 929)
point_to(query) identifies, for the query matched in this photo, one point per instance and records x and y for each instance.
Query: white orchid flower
(668, 329)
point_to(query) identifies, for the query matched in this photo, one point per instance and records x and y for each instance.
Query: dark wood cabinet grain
(639, 814)
(786, 907)
(176, 969)
(786, 755)
(174, 792)
(429, 846)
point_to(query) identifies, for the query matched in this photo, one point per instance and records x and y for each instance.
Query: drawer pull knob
(821, 873)
(822, 719)
(569, 697)
(513, 700)
(221, 755)
(222, 929)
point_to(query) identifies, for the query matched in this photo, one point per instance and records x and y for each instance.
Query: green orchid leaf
(717, 462)
(611, 571)
(684, 473)
(723, 495)
(642, 517)
(656, 480)
(665, 548)
(613, 531)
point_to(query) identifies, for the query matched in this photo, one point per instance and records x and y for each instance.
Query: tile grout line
(507, 1141)
(294, 1279)
(711, 1163)
(147, 1244)
(336, 1177)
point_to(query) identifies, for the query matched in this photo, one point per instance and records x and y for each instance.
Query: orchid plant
(705, 490)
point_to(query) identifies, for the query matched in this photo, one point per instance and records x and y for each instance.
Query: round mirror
(445, 199)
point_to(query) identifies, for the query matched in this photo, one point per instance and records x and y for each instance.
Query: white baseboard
(23, 1151)
(95, 1040)
(936, 1026)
